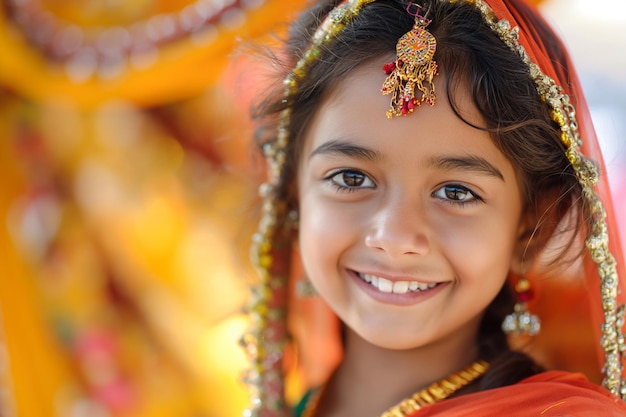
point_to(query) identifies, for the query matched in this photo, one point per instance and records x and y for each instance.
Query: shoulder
(563, 393)
(547, 394)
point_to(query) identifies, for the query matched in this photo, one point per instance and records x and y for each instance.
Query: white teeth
(398, 287)
(384, 285)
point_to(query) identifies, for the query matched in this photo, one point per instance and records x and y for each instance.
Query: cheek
(327, 230)
(481, 254)
(318, 244)
(321, 226)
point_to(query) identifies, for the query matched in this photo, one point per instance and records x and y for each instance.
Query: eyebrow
(467, 163)
(342, 148)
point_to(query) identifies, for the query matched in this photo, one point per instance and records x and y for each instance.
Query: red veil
(602, 313)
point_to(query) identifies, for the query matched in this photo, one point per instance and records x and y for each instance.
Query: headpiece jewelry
(413, 70)
(265, 341)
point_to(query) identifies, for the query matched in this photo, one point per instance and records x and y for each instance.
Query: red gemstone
(525, 296)
(389, 67)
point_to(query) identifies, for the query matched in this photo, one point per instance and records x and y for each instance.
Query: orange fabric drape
(550, 394)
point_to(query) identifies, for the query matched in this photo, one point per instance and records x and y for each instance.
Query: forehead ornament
(410, 77)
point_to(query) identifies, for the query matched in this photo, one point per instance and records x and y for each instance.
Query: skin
(422, 198)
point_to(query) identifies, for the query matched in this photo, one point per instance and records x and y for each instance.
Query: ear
(537, 225)
(521, 256)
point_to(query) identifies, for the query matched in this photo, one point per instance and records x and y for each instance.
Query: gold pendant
(410, 77)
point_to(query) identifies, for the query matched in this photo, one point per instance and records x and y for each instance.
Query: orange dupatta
(528, 19)
(554, 393)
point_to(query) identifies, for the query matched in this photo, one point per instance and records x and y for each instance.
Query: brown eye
(456, 194)
(351, 179)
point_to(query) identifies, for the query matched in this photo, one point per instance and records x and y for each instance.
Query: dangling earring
(293, 219)
(304, 288)
(521, 321)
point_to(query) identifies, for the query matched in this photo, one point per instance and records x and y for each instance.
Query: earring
(521, 321)
(304, 288)
(293, 219)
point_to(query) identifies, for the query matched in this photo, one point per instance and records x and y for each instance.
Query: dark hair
(472, 56)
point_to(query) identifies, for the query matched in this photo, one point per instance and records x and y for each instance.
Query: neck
(372, 379)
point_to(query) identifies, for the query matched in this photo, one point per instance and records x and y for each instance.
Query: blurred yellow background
(126, 203)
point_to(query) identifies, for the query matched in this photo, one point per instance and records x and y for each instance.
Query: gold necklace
(436, 392)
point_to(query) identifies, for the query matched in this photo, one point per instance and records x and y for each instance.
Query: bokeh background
(128, 187)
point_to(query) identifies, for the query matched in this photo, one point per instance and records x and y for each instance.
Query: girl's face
(408, 227)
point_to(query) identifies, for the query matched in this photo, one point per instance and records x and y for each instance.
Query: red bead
(525, 296)
(389, 67)
(405, 106)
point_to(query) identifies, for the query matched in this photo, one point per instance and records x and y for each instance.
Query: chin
(395, 340)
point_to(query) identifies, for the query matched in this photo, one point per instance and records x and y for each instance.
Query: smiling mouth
(396, 287)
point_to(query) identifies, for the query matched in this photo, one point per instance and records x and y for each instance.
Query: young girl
(430, 159)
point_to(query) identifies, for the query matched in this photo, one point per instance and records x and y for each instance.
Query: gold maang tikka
(413, 70)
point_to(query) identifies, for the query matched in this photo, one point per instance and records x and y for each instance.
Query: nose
(400, 227)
